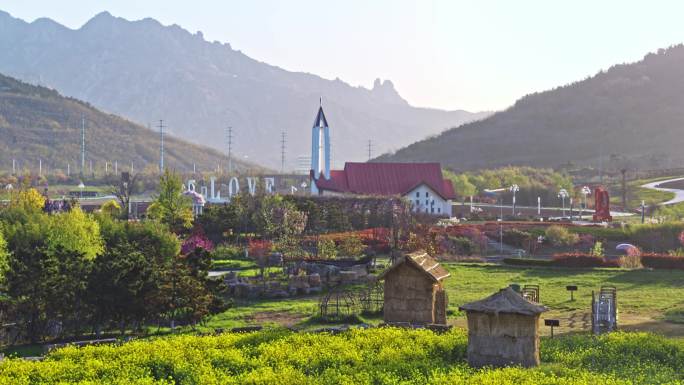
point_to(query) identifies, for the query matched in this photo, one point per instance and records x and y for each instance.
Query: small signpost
(572, 289)
(551, 323)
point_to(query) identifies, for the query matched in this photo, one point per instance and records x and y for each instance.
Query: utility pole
(370, 148)
(83, 149)
(40, 167)
(161, 146)
(282, 152)
(624, 189)
(14, 166)
(116, 167)
(68, 169)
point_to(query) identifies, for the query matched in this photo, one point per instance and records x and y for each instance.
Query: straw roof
(505, 301)
(424, 263)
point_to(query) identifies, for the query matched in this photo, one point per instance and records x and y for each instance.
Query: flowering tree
(198, 240)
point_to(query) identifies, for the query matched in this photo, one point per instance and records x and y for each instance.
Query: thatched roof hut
(414, 292)
(503, 329)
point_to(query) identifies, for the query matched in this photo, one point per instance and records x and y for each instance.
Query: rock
(347, 276)
(315, 280)
(315, 289)
(241, 290)
(360, 270)
(278, 294)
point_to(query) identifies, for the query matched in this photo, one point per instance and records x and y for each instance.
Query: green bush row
(527, 262)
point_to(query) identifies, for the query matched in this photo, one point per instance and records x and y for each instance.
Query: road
(495, 209)
(679, 194)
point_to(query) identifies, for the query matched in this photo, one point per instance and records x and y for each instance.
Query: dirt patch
(633, 322)
(280, 318)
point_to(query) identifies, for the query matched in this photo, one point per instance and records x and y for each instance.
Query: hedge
(527, 262)
(662, 261)
(581, 260)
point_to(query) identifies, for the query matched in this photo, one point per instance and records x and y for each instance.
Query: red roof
(386, 179)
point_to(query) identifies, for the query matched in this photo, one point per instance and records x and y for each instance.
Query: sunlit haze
(447, 54)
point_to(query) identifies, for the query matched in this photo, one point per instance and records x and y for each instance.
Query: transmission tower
(282, 152)
(370, 149)
(229, 145)
(161, 146)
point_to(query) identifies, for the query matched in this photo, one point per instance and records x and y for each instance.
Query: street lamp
(562, 194)
(585, 191)
(514, 189)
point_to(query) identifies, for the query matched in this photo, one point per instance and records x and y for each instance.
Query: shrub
(197, 240)
(606, 233)
(461, 259)
(630, 261)
(662, 261)
(560, 236)
(517, 238)
(527, 262)
(351, 247)
(581, 260)
(228, 251)
(327, 249)
(259, 248)
(657, 238)
(111, 208)
(597, 249)
(459, 246)
(586, 241)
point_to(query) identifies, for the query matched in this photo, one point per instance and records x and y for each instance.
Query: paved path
(679, 194)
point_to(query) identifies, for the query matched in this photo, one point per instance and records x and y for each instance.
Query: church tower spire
(320, 147)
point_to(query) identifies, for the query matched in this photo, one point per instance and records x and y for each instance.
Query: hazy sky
(474, 55)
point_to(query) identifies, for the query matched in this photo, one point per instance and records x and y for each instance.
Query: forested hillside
(37, 123)
(631, 115)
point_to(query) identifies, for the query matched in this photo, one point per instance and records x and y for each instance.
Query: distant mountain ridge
(630, 116)
(40, 125)
(146, 71)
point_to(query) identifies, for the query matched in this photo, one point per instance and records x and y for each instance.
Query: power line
(161, 146)
(282, 152)
(83, 149)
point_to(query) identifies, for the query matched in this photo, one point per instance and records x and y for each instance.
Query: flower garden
(373, 356)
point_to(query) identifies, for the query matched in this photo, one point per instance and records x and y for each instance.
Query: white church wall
(425, 200)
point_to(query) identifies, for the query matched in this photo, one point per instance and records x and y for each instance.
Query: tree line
(68, 274)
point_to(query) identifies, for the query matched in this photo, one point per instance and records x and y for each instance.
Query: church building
(420, 183)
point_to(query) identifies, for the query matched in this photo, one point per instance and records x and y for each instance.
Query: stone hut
(413, 291)
(503, 329)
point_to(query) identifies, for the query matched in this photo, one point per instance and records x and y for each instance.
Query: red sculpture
(601, 205)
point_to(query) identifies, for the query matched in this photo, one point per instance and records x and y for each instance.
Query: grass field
(650, 300)
(636, 193)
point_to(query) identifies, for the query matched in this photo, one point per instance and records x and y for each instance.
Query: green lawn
(646, 298)
(635, 193)
(230, 264)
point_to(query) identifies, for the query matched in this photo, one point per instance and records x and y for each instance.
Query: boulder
(315, 280)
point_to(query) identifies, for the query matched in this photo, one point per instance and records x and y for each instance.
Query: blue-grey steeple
(320, 148)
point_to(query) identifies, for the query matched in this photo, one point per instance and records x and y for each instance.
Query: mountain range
(629, 116)
(146, 71)
(38, 126)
